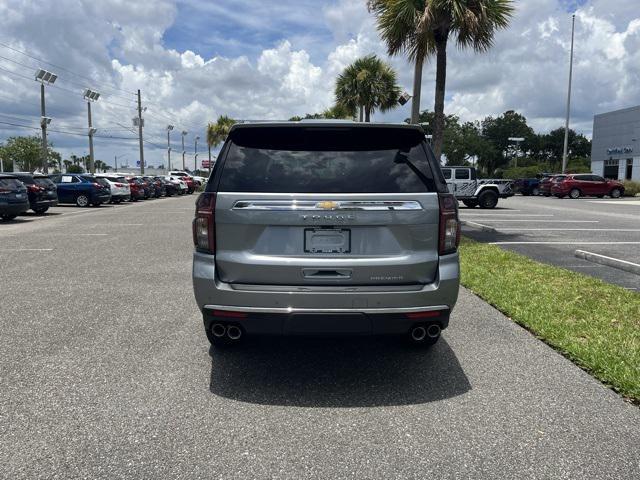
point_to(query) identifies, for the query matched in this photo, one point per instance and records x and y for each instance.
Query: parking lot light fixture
(91, 96)
(44, 77)
(517, 141)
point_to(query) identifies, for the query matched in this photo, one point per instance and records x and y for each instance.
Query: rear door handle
(341, 273)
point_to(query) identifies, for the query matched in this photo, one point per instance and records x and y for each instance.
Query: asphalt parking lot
(550, 230)
(106, 373)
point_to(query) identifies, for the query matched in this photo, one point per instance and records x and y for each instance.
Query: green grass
(595, 324)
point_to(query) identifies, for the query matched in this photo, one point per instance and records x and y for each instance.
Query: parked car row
(22, 191)
(574, 185)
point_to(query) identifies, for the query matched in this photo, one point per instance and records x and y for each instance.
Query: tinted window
(327, 160)
(43, 181)
(462, 174)
(582, 178)
(446, 172)
(597, 178)
(102, 181)
(10, 184)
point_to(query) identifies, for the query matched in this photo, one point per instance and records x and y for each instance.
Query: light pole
(566, 125)
(169, 128)
(139, 122)
(184, 132)
(195, 152)
(44, 76)
(91, 96)
(116, 157)
(517, 141)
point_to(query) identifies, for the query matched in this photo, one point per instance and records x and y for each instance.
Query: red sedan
(583, 184)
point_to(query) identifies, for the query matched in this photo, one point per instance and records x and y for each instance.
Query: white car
(179, 183)
(120, 189)
(182, 173)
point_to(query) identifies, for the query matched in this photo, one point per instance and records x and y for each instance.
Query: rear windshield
(103, 182)
(326, 160)
(10, 184)
(43, 182)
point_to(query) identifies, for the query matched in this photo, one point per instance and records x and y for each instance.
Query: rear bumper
(14, 208)
(325, 310)
(44, 203)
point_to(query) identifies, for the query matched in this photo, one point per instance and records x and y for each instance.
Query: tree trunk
(367, 114)
(417, 86)
(361, 115)
(438, 108)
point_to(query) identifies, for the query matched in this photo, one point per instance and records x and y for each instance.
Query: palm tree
(67, 164)
(421, 28)
(369, 83)
(217, 132)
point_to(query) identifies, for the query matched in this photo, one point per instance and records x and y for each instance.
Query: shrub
(631, 188)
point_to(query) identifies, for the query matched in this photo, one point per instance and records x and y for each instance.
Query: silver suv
(326, 228)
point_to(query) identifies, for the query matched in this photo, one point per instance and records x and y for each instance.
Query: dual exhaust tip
(232, 332)
(419, 333)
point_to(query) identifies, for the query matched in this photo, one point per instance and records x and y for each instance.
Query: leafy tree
(75, 169)
(25, 151)
(335, 112)
(421, 28)
(497, 132)
(369, 83)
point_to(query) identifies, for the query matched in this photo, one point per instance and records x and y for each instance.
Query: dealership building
(615, 148)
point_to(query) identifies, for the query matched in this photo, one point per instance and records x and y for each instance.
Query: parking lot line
(572, 242)
(506, 214)
(572, 229)
(615, 202)
(546, 221)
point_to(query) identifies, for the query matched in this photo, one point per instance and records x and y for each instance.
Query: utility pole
(140, 134)
(184, 132)
(169, 128)
(566, 125)
(195, 152)
(43, 125)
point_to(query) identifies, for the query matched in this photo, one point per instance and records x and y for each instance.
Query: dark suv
(81, 189)
(41, 190)
(13, 197)
(325, 228)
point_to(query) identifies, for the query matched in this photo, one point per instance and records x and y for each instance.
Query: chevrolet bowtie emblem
(327, 205)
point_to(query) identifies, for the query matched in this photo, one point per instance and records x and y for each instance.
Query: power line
(65, 69)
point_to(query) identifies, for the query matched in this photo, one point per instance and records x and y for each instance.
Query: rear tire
(574, 193)
(8, 217)
(488, 199)
(535, 192)
(615, 193)
(82, 201)
(470, 203)
(41, 210)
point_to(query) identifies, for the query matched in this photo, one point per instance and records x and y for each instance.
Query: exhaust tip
(233, 332)
(218, 330)
(433, 330)
(418, 334)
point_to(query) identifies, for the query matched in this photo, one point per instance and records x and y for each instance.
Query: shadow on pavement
(330, 372)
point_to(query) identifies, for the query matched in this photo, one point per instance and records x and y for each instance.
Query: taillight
(97, 185)
(34, 188)
(204, 223)
(449, 224)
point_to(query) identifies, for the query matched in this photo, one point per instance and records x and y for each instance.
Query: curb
(608, 261)
(478, 226)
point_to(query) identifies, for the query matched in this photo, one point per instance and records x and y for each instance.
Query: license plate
(327, 240)
(18, 195)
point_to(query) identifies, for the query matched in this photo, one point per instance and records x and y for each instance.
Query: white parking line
(505, 214)
(573, 242)
(573, 229)
(614, 202)
(545, 221)
(115, 225)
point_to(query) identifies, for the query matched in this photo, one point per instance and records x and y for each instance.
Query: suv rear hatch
(310, 205)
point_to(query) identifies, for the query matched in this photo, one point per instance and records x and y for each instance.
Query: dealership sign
(615, 150)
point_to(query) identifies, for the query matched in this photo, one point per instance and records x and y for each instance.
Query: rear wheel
(535, 192)
(574, 193)
(470, 203)
(82, 201)
(615, 193)
(488, 199)
(40, 210)
(8, 217)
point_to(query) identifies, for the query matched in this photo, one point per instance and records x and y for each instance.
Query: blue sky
(251, 59)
